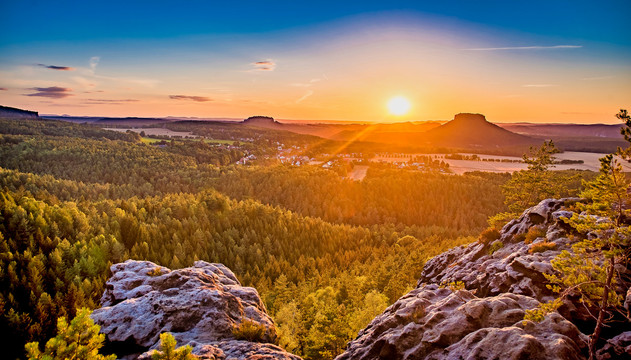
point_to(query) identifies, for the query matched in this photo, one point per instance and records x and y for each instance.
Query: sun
(399, 105)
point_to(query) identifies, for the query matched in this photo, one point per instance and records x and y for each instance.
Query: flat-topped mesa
(258, 119)
(470, 118)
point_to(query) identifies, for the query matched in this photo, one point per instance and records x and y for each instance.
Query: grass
(249, 330)
(489, 235)
(541, 247)
(217, 141)
(533, 234)
(148, 140)
(496, 245)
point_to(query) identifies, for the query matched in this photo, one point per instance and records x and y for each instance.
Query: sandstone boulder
(513, 267)
(437, 323)
(618, 347)
(199, 305)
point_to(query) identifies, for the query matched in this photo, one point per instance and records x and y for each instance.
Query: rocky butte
(473, 131)
(468, 304)
(260, 121)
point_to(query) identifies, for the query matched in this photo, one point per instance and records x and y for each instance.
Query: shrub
(418, 312)
(542, 246)
(249, 330)
(155, 272)
(519, 237)
(169, 352)
(489, 235)
(534, 233)
(496, 245)
(453, 285)
(539, 313)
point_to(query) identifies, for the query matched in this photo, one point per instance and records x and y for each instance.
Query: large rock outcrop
(512, 267)
(501, 279)
(438, 323)
(199, 305)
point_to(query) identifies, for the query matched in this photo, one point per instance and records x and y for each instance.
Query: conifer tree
(169, 352)
(80, 340)
(526, 188)
(589, 271)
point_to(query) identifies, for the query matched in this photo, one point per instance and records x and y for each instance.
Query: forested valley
(326, 253)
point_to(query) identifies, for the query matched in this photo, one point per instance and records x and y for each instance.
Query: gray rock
(618, 347)
(485, 321)
(235, 349)
(199, 305)
(438, 323)
(512, 268)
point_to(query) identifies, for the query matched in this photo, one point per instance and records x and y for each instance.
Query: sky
(513, 61)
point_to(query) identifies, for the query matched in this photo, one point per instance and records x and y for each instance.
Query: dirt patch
(358, 173)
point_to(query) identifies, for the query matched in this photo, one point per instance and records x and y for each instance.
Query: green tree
(290, 327)
(589, 271)
(80, 340)
(526, 188)
(169, 352)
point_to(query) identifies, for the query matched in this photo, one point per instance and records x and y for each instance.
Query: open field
(590, 160)
(358, 173)
(170, 133)
(147, 140)
(157, 132)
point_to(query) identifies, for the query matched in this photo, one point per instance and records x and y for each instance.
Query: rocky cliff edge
(470, 302)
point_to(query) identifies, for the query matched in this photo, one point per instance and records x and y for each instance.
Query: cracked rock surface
(199, 305)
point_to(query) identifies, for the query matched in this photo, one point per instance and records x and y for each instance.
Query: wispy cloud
(56, 67)
(526, 48)
(54, 92)
(309, 84)
(539, 85)
(598, 77)
(265, 65)
(3, 89)
(94, 62)
(109, 101)
(305, 96)
(85, 83)
(189, 97)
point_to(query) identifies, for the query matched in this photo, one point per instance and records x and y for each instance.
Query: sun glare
(399, 106)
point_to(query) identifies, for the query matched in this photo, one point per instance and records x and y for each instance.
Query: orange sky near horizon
(345, 70)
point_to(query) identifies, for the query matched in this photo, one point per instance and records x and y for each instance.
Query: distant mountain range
(565, 130)
(466, 132)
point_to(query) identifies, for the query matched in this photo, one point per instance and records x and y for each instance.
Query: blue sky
(32, 21)
(325, 59)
